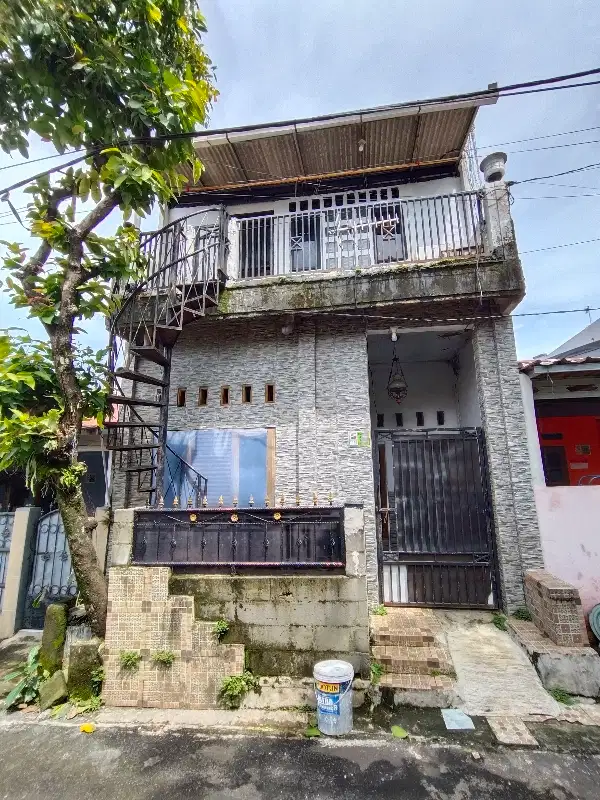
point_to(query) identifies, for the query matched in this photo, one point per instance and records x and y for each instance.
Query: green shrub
(499, 620)
(31, 675)
(562, 696)
(236, 687)
(377, 671)
(129, 659)
(164, 658)
(98, 676)
(220, 629)
(380, 610)
(85, 705)
(523, 613)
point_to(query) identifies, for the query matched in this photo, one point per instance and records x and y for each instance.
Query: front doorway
(434, 513)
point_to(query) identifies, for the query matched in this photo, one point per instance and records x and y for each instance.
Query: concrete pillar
(17, 570)
(517, 535)
(500, 229)
(533, 443)
(100, 535)
(121, 537)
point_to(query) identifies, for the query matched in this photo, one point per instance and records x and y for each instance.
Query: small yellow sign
(328, 688)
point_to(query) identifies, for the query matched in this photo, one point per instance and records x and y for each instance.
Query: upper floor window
(256, 246)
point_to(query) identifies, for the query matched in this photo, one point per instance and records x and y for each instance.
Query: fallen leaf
(73, 712)
(87, 727)
(29, 709)
(399, 732)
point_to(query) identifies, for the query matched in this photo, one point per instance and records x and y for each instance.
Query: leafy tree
(116, 78)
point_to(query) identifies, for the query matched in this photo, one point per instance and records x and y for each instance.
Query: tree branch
(36, 263)
(97, 214)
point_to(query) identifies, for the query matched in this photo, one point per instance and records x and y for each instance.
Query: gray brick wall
(321, 396)
(517, 535)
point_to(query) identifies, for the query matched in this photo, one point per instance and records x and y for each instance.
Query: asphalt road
(58, 763)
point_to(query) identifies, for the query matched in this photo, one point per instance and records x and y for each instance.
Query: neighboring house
(325, 323)
(40, 570)
(561, 394)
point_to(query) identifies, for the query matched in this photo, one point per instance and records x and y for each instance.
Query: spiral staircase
(184, 275)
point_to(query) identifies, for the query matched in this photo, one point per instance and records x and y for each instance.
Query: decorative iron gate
(6, 528)
(51, 577)
(435, 518)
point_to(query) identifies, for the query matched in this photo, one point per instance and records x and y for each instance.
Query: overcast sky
(278, 59)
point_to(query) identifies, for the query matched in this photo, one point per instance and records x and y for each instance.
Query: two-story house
(325, 325)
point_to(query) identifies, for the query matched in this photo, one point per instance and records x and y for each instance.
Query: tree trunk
(91, 582)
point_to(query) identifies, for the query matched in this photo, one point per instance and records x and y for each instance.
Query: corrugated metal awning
(390, 138)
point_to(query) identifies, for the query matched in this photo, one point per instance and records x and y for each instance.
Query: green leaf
(13, 696)
(77, 129)
(399, 732)
(312, 732)
(154, 13)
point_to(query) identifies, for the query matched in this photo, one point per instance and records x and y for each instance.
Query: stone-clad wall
(321, 396)
(516, 526)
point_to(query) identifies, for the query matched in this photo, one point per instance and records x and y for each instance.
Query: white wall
(421, 189)
(431, 388)
(467, 395)
(569, 519)
(533, 442)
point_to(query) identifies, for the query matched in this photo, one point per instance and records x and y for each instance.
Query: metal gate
(435, 519)
(51, 576)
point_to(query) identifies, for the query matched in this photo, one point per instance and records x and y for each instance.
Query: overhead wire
(536, 138)
(542, 84)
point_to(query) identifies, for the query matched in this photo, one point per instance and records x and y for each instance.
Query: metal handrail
(360, 235)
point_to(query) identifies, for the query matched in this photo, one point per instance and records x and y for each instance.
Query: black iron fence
(240, 537)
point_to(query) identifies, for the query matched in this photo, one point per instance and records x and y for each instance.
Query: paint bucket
(333, 687)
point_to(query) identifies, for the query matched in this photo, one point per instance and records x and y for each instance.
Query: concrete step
(422, 691)
(410, 682)
(413, 660)
(411, 638)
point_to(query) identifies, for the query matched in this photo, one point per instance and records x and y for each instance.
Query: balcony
(357, 236)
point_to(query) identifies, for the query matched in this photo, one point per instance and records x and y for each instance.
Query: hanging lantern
(397, 387)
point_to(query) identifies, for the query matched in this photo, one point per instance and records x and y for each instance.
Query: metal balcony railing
(358, 236)
(295, 538)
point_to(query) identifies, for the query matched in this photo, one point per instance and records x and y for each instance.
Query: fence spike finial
(267, 502)
(282, 500)
(251, 501)
(204, 501)
(175, 502)
(161, 501)
(330, 498)
(235, 501)
(189, 502)
(315, 499)
(297, 499)
(221, 501)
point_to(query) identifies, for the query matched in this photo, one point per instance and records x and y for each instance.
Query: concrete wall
(568, 517)
(516, 527)
(286, 623)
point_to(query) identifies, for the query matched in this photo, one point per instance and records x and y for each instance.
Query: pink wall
(569, 518)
